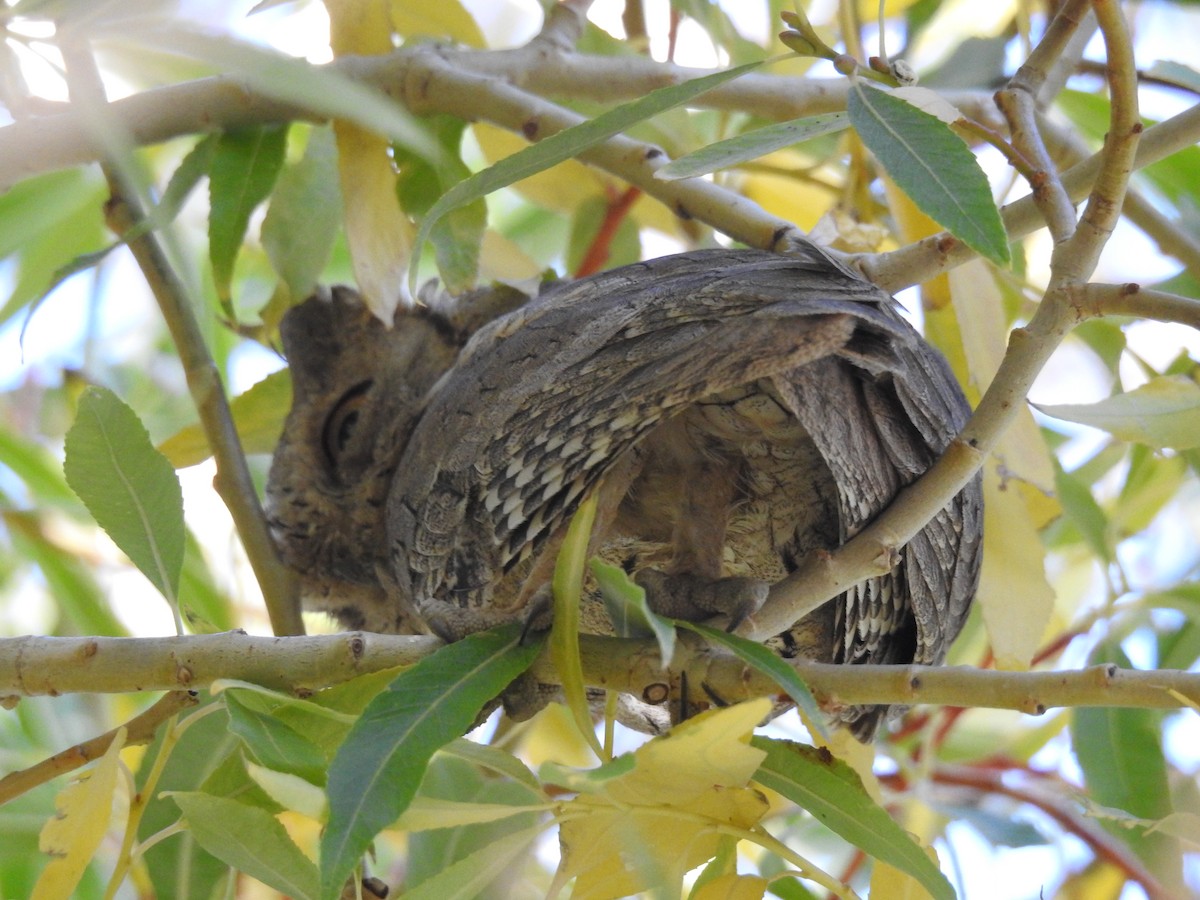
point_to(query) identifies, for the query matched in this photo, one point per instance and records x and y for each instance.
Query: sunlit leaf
(1164, 412)
(830, 790)
(305, 213)
(1014, 596)
(564, 633)
(441, 20)
(129, 487)
(933, 166)
(249, 839)
(568, 143)
(244, 167)
(751, 145)
(291, 792)
(258, 415)
(614, 835)
(732, 887)
(377, 770)
(82, 813)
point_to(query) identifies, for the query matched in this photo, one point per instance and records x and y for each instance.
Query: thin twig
(138, 730)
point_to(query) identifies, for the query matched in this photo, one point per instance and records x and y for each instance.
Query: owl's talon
(695, 597)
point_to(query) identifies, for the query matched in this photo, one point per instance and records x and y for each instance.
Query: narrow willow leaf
(832, 791)
(566, 144)
(322, 90)
(1164, 412)
(490, 757)
(458, 235)
(626, 604)
(765, 661)
(129, 487)
(564, 635)
(751, 145)
(244, 167)
(377, 770)
(258, 415)
(304, 216)
(1120, 752)
(249, 839)
(933, 166)
(466, 878)
(273, 743)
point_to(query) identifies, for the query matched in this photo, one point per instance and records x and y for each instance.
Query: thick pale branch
(37, 666)
(51, 142)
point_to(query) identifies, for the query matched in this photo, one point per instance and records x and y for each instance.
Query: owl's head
(359, 387)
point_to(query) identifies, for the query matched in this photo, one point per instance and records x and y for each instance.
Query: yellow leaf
(443, 19)
(647, 827)
(888, 881)
(378, 233)
(1099, 881)
(732, 887)
(1022, 452)
(1014, 596)
(82, 813)
(791, 199)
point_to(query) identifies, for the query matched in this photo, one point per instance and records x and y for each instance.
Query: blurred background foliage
(1092, 539)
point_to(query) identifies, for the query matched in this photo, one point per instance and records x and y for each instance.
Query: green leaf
(258, 415)
(180, 870)
(244, 168)
(458, 235)
(249, 839)
(751, 145)
(768, 663)
(1121, 755)
(488, 757)
(128, 486)
(302, 221)
(564, 634)
(466, 878)
(377, 770)
(564, 145)
(1164, 412)
(832, 791)
(273, 743)
(1083, 510)
(933, 166)
(626, 604)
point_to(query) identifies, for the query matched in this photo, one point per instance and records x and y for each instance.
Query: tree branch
(39, 666)
(139, 730)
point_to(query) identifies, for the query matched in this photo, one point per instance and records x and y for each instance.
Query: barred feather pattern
(788, 375)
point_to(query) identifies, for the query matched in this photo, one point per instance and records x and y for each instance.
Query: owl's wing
(543, 402)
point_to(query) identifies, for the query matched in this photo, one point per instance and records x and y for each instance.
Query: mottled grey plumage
(736, 410)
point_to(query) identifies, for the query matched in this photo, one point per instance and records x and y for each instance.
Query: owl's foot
(697, 597)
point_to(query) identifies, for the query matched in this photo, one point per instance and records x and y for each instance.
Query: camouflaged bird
(735, 411)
